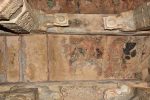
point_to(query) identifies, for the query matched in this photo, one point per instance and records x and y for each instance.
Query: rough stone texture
(13, 47)
(65, 91)
(82, 92)
(8, 8)
(123, 92)
(2, 48)
(142, 17)
(142, 94)
(19, 94)
(2, 60)
(85, 6)
(35, 49)
(146, 69)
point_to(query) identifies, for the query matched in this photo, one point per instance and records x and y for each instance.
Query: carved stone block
(124, 92)
(20, 94)
(61, 20)
(123, 22)
(21, 21)
(9, 7)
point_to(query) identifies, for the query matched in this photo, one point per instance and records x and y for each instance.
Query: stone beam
(135, 20)
(69, 91)
(86, 24)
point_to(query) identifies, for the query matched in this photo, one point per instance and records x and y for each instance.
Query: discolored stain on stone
(122, 57)
(35, 50)
(50, 3)
(13, 51)
(128, 48)
(133, 53)
(99, 53)
(127, 57)
(75, 22)
(76, 57)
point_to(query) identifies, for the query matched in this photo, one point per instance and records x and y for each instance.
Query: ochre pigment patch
(13, 53)
(35, 48)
